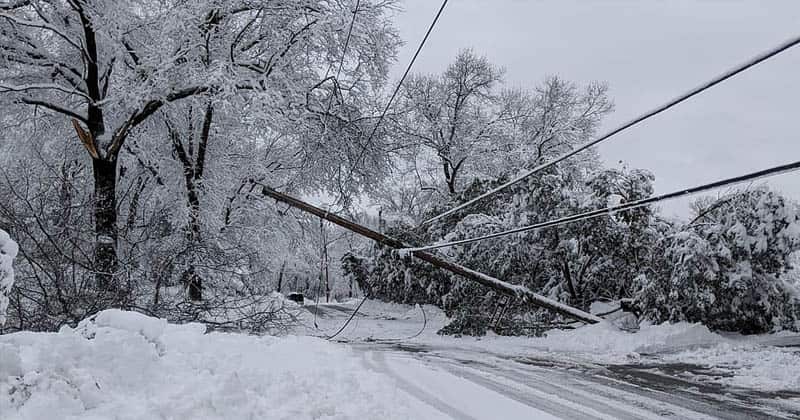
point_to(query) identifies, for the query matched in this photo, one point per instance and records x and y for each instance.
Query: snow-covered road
(471, 385)
(496, 379)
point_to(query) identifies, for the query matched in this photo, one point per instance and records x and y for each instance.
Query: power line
(396, 89)
(348, 320)
(699, 89)
(408, 69)
(347, 40)
(791, 167)
(344, 54)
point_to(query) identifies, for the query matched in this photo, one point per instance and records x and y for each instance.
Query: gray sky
(648, 52)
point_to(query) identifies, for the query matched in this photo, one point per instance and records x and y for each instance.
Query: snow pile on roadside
(8, 251)
(124, 365)
(606, 339)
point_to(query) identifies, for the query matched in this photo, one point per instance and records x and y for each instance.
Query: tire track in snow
(412, 389)
(578, 391)
(585, 406)
(613, 402)
(601, 390)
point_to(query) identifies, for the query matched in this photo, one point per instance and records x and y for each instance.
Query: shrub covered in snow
(8, 251)
(726, 268)
(576, 264)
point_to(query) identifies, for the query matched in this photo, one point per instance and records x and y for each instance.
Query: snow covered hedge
(8, 251)
(575, 264)
(727, 269)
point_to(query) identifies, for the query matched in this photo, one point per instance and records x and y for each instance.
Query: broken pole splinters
(508, 289)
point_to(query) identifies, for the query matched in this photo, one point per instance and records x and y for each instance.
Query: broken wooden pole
(505, 288)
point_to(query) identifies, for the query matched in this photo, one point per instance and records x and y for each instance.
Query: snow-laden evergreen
(8, 251)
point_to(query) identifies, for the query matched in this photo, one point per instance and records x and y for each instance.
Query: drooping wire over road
(777, 170)
(671, 103)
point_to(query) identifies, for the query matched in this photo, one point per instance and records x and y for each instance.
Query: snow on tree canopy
(730, 267)
(8, 251)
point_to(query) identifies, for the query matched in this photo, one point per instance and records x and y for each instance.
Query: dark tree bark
(193, 167)
(105, 219)
(280, 276)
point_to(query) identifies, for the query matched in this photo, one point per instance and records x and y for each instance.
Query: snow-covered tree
(726, 268)
(112, 67)
(464, 124)
(181, 111)
(8, 251)
(579, 263)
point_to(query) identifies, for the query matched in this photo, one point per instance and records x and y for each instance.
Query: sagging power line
(791, 167)
(675, 101)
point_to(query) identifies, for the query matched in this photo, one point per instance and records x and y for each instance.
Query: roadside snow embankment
(613, 344)
(124, 365)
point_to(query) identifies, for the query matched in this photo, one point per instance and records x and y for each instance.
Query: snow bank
(8, 251)
(124, 365)
(606, 339)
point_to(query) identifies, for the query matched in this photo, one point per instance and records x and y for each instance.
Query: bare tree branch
(55, 108)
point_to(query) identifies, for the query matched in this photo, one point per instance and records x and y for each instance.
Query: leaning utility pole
(505, 288)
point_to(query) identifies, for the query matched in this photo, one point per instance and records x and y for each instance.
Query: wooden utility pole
(513, 290)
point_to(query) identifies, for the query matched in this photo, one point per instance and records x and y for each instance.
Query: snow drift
(125, 365)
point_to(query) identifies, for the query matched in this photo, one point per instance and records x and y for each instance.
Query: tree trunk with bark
(193, 166)
(105, 219)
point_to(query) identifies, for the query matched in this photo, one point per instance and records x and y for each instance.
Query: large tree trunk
(280, 276)
(105, 220)
(193, 168)
(193, 197)
(194, 281)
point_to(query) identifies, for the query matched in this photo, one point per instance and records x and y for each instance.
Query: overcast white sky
(648, 52)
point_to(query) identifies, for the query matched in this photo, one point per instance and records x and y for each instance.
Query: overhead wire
(344, 54)
(378, 123)
(777, 170)
(669, 104)
(330, 103)
(395, 92)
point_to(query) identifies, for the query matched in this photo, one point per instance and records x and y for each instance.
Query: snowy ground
(123, 365)
(676, 371)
